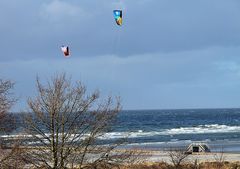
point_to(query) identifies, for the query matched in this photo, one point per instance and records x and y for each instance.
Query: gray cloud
(200, 78)
(167, 54)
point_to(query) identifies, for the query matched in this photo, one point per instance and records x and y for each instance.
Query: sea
(172, 129)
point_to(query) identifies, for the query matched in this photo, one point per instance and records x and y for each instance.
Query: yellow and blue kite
(118, 16)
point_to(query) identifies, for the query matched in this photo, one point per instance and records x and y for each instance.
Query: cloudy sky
(167, 54)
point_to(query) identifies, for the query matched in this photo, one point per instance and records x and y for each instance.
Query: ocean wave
(200, 129)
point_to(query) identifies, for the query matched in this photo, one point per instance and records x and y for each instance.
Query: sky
(168, 54)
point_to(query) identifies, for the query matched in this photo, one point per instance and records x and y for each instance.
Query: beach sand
(161, 156)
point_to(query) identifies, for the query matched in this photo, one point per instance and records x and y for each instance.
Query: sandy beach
(161, 156)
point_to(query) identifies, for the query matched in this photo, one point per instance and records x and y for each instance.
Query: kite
(118, 16)
(65, 51)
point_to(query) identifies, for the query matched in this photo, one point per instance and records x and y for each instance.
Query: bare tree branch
(65, 123)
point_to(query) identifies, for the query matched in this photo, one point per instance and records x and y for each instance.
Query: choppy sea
(164, 129)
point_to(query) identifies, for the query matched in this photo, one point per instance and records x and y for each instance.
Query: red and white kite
(65, 51)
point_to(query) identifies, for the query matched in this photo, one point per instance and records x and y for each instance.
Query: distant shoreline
(163, 109)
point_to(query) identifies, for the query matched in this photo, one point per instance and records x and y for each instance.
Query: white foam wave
(201, 129)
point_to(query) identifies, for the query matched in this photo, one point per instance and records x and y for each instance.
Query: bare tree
(67, 127)
(9, 155)
(6, 102)
(178, 157)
